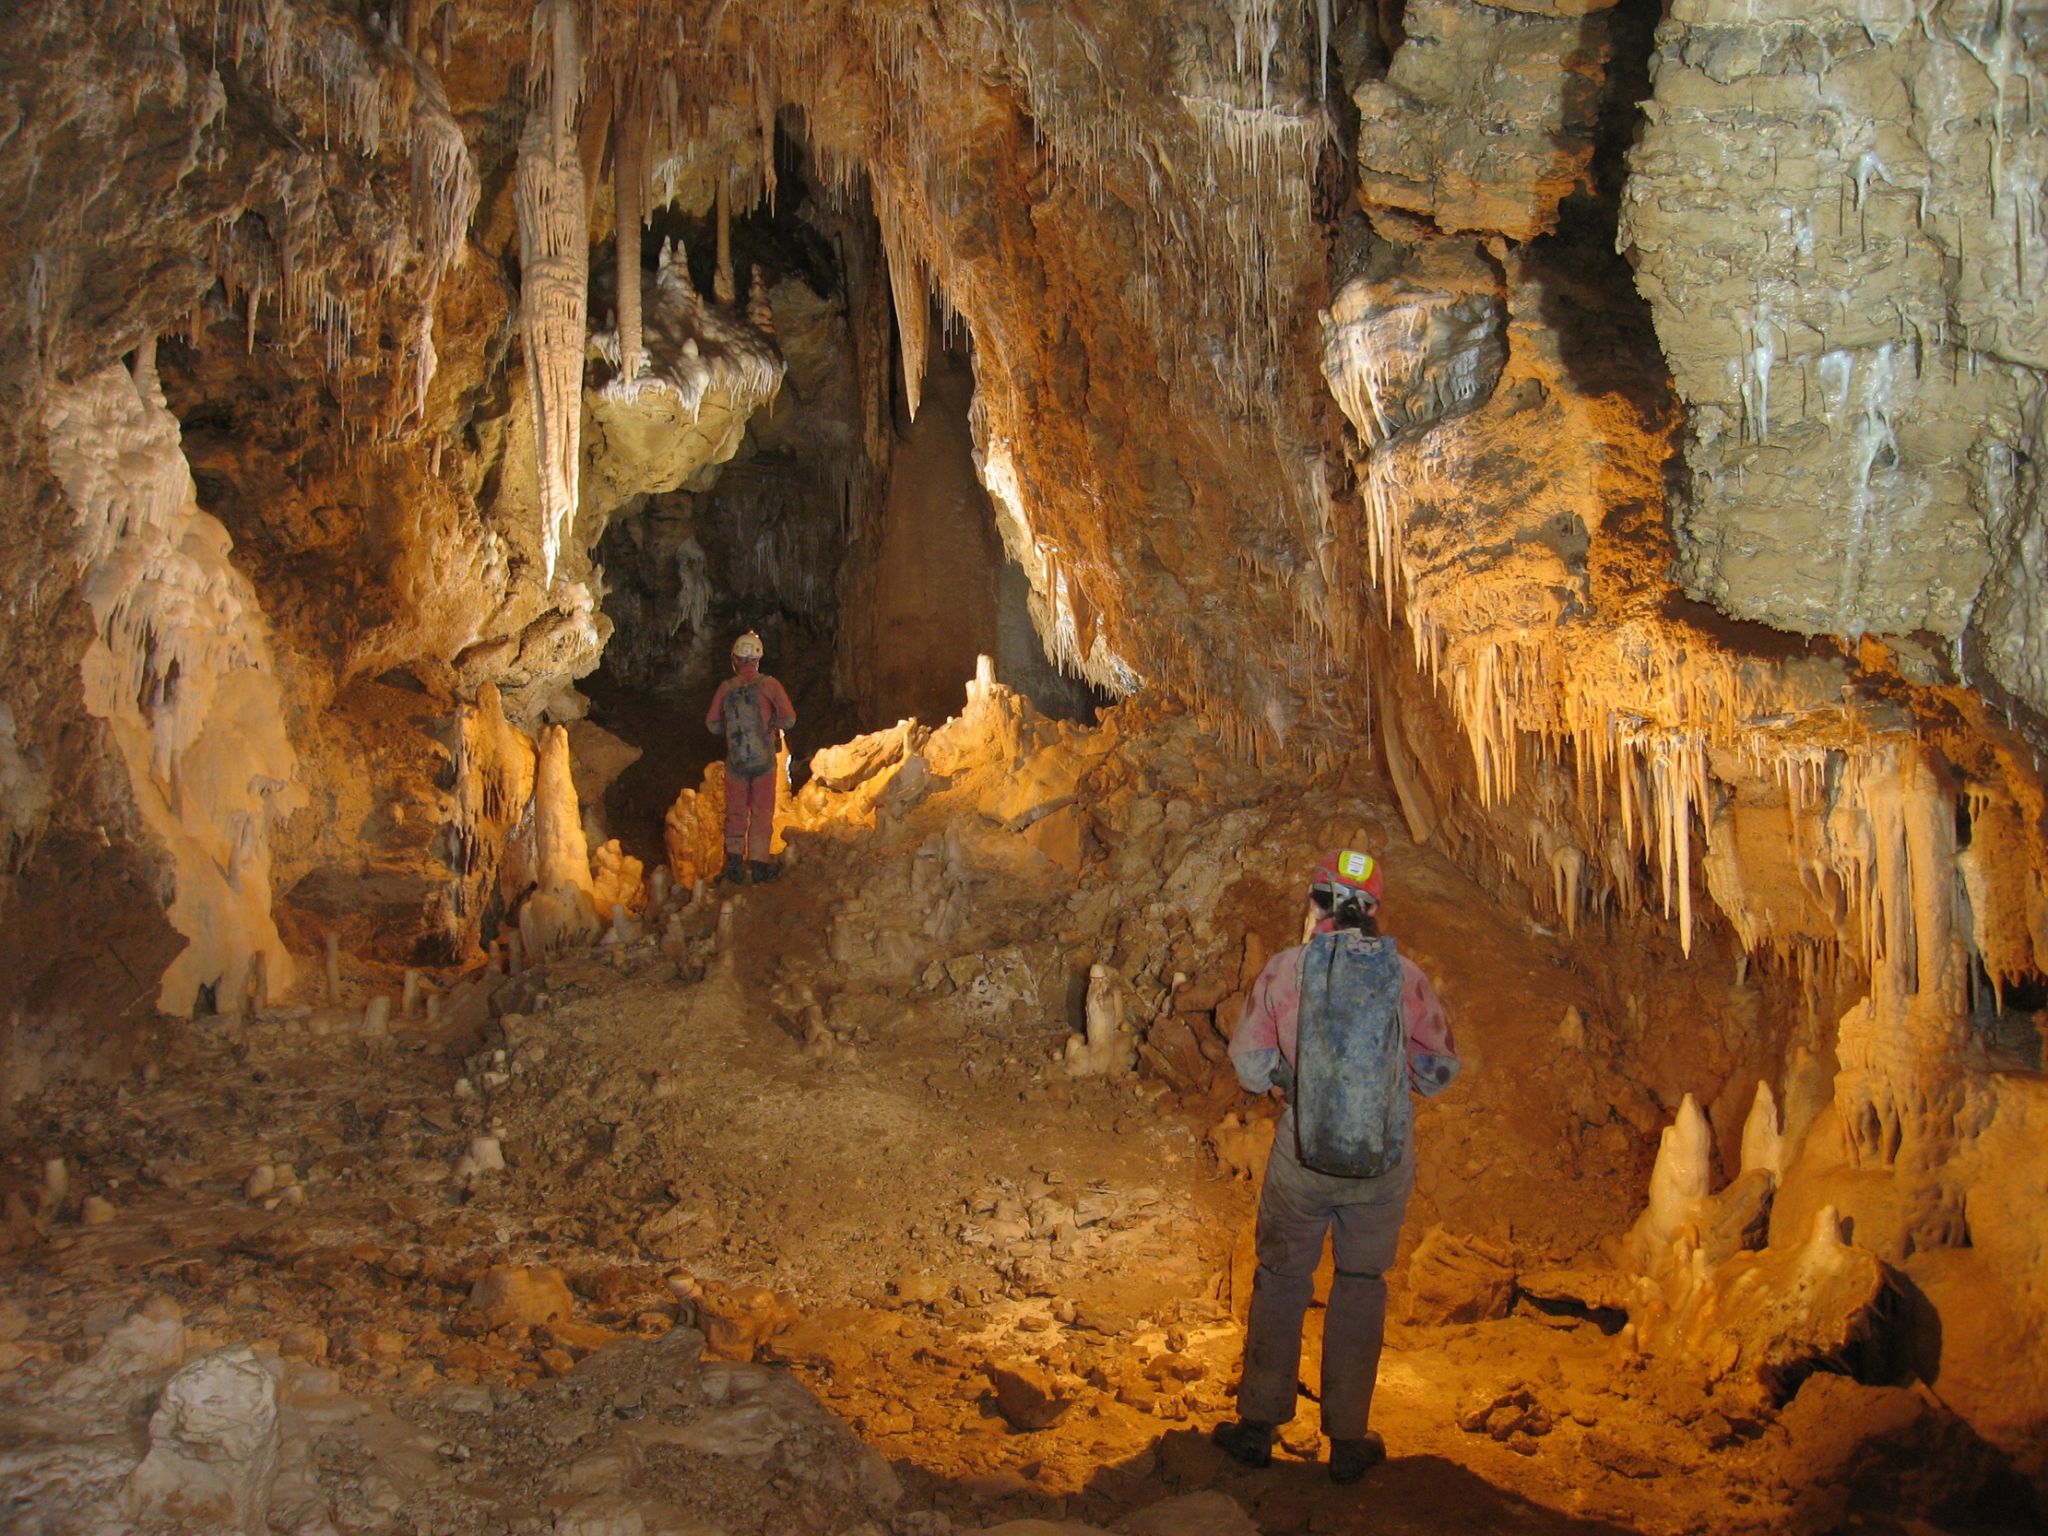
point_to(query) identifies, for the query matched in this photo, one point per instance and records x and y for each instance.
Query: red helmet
(1347, 871)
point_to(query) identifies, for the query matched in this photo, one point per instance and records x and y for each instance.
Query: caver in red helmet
(1347, 871)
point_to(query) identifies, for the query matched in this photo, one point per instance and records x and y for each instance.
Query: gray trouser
(1296, 1207)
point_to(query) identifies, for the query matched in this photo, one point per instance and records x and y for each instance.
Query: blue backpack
(1352, 1116)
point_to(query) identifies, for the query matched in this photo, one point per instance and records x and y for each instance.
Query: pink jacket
(1272, 1017)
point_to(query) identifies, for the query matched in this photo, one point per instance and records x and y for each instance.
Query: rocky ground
(787, 1214)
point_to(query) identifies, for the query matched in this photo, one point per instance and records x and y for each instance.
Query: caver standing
(751, 711)
(1345, 1027)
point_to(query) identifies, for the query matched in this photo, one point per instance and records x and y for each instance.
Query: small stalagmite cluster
(1582, 450)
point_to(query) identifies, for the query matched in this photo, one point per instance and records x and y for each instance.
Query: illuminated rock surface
(401, 408)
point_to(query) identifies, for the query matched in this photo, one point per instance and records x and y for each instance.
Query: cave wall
(1851, 316)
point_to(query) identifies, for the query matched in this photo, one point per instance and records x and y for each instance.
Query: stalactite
(907, 286)
(629, 180)
(1896, 1089)
(554, 262)
(722, 287)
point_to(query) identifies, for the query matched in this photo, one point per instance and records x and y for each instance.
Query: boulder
(1458, 1279)
(522, 1296)
(852, 763)
(1026, 1395)
(737, 1320)
(213, 1447)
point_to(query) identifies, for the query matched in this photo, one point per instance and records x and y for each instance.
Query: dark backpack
(1351, 1110)
(749, 749)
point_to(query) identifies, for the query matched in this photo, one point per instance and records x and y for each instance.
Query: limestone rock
(1458, 1279)
(737, 1319)
(213, 1446)
(849, 765)
(1849, 317)
(1026, 1395)
(1484, 121)
(522, 1296)
(1418, 335)
(1872, 1449)
(764, 1417)
(1062, 836)
(125, 1365)
(1243, 1144)
(597, 758)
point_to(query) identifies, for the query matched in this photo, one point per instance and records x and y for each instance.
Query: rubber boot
(735, 871)
(1249, 1441)
(763, 873)
(1352, 1459)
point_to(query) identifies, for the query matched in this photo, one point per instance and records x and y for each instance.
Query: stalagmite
(333, 968)
(554, 267)
(1679, 1184)
(562, 910)
(1762, 1138)
(1108, 1048)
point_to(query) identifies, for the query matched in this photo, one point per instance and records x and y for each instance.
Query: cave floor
(860, 1161)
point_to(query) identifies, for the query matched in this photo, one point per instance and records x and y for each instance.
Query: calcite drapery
(180, 669)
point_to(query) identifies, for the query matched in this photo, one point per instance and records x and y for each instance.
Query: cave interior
(1578, 451)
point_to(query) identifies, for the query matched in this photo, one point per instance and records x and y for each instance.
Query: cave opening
(855, 537)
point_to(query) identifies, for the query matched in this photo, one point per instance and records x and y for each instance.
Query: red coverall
(750, 803)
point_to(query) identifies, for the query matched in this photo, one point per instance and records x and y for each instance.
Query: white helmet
(747, 647)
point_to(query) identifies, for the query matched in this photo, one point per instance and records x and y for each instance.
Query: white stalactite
(909, 289)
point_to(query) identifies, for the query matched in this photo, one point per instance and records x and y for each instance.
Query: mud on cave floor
(896, 1203)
